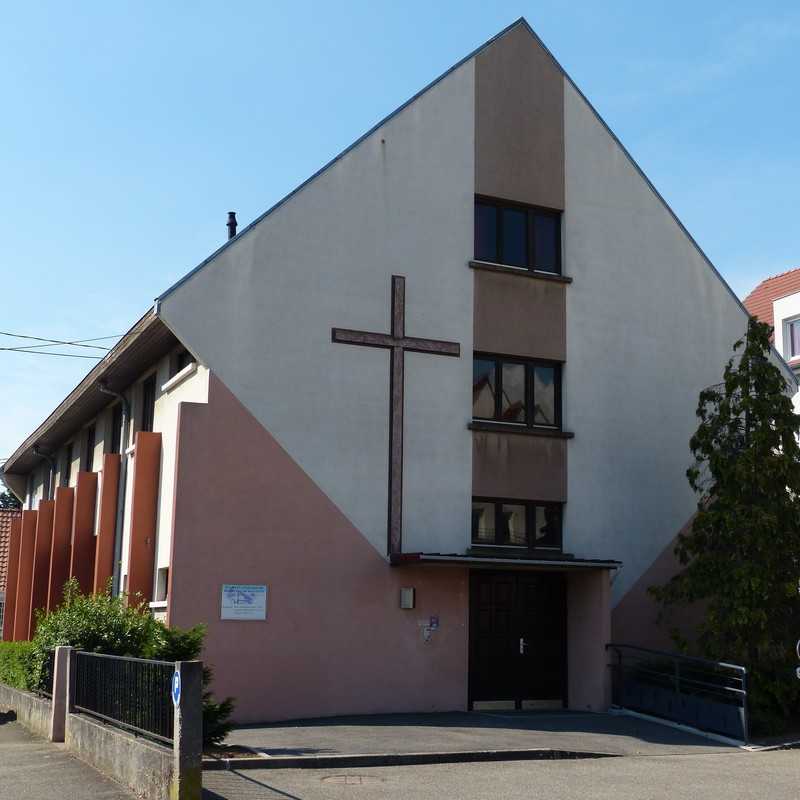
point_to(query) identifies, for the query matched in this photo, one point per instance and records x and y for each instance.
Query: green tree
(741, 557)
(9, 500)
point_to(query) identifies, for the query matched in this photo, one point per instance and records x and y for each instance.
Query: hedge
(15, 664)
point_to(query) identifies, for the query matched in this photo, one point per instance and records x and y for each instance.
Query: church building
(416, 438)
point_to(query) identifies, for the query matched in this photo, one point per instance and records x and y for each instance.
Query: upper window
(88, 456)
(66, 464)
(148, 404)
(517, 236)
(516, 391)
(116, 429)
(516, 523)
(793, 339)
(180, 360)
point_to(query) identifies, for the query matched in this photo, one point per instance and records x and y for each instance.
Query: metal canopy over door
(518, 637)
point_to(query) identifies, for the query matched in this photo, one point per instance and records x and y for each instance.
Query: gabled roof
(146, 341)
(759, 302)
(519, 22)
(123, 360)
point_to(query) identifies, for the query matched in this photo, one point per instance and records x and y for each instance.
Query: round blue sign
(176, 688)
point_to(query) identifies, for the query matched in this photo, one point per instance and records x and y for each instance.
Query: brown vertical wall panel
(106, 522)
(81, 565)
(519, 122)
(518, 466)
(11, 579)
(521, 316)
(144, 507)
(22, 611)
(62, 544)
(41, 560)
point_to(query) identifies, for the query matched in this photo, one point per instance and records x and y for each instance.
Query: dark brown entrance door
(517, 636)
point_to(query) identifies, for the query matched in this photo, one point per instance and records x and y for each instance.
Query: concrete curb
(394, 759)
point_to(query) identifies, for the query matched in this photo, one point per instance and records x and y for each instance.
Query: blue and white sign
(176, 688)
(244, 601)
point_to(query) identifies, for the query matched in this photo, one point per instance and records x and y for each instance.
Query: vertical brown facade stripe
(22, 611)
(523, 467)
(519, 316)
(106, 522)
(144, 508)
(11, 579)
(41, 560)
(61, 546)
(81, 564)
(519, 122)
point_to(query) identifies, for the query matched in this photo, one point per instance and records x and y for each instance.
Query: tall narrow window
(116, 429)
(515, 240)
(88, 456)
(794, 338)
(66, 465)
(483, 388)
(485, 232)
(148, 404)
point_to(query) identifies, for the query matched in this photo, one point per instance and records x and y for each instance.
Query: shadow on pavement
(209, 795)
(7, 716)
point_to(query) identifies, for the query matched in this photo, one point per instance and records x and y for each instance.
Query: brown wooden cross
(397, 343)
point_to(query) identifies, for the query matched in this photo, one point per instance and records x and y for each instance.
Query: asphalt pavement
(722, 775)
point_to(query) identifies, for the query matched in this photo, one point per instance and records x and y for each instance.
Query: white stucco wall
(785, 310)
(649, 324)
(260, 315)
(194, 389)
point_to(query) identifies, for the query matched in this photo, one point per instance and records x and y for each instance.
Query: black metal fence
(44, 684)
(133, 693)
(707, 695)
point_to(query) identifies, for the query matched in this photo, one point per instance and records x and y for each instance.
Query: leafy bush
(15, 664)
(100, 623)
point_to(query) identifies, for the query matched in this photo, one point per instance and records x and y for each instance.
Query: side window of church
(148, 404)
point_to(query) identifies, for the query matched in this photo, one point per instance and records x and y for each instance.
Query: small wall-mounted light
(407, 597)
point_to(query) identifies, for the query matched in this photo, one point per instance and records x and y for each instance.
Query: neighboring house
(776, 301)
(296, 414)
(6, 517)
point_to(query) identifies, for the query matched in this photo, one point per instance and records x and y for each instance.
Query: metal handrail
(681, 656)
(683, 676)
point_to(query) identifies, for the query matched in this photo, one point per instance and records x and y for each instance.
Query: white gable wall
(260, 316)
(649, 324)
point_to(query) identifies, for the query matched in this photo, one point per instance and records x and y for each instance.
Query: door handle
(522, 645)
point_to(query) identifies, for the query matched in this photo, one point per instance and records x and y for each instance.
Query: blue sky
(130, 129)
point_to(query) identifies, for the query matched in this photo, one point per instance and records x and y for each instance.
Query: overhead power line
(44, 353)
(73, 343)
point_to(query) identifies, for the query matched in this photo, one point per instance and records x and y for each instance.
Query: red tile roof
(759, 302)
(6, 515)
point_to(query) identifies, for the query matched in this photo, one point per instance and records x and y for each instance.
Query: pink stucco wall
(635, 617)
(335, 640)
(588, 632)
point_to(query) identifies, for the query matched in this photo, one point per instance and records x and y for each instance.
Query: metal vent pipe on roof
(231, 224)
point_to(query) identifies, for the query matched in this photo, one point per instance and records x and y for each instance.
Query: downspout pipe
(37, 451)
(123, 478)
